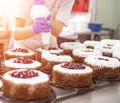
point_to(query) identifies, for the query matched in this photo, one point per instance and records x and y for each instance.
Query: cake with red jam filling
(39, 52)
(69, 46)
(103, 67)
(74, 75)
(25, 84)
(105, 49)
(110, 42)
(48, 60)
(80, 54)
(19, 52)
(20, 63)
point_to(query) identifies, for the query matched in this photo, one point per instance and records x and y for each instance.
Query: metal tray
(50, 99)
(60, 93)
(66, 92)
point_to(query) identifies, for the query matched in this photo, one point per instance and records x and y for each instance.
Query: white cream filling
(72, 45)
(93, 60)
(39, 79)
(91, 43)
(86, 52)
(111, 42)
(116, 47)
(51, 51)
(56, 58)
(29, 53)
(10, 63)
(116, 53)
(72, 71)
(104, 48)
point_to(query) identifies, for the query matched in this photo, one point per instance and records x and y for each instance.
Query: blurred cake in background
(91, 43)
(20, 63)
(103, 67)
(19, 52)
(39, 52)
(110, 42)
(69, 46)
(80, 54)
(105, 49)
(48, 60)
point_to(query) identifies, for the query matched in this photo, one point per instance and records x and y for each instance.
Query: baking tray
(67, 92)
(58, 93)
(50, 99)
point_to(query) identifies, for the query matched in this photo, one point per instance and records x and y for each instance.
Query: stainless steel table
(101, 91)
(89, 35)
(106, 93)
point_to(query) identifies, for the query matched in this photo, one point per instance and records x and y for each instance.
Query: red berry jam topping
(24, 74)
(20, 50)
(23, 60)
(73, 66)
(105, 59)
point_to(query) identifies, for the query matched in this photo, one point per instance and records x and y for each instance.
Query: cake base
(6, 68)
(69, 80)
(104, 72)
(50, 99)
(24, 84)
(74, 75)
(8, 56)
(25, 91)
(78, 59)
(47, 66)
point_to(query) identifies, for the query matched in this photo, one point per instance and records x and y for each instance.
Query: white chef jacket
(60, 9)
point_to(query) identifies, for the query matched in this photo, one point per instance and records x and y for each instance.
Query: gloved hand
(42, 25)
(36, 2)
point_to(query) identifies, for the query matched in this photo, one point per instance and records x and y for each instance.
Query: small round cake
(91, 44)
(19, 52)
(39, 52)
(69, 46)
(110, 42)
(74, 75)
(20, 63)
(105, 49)
(48, 60)
(80, 54)
(25, 84)
(103, 67)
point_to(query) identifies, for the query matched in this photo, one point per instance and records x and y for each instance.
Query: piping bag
(40, 10)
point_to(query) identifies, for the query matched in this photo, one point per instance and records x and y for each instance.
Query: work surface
(102, 91)
(105, 93)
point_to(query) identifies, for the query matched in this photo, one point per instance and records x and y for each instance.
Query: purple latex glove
(39, 2)
(42, 25)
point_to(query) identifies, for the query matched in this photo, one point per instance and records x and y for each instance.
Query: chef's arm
(57, 26)
(23, 32)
